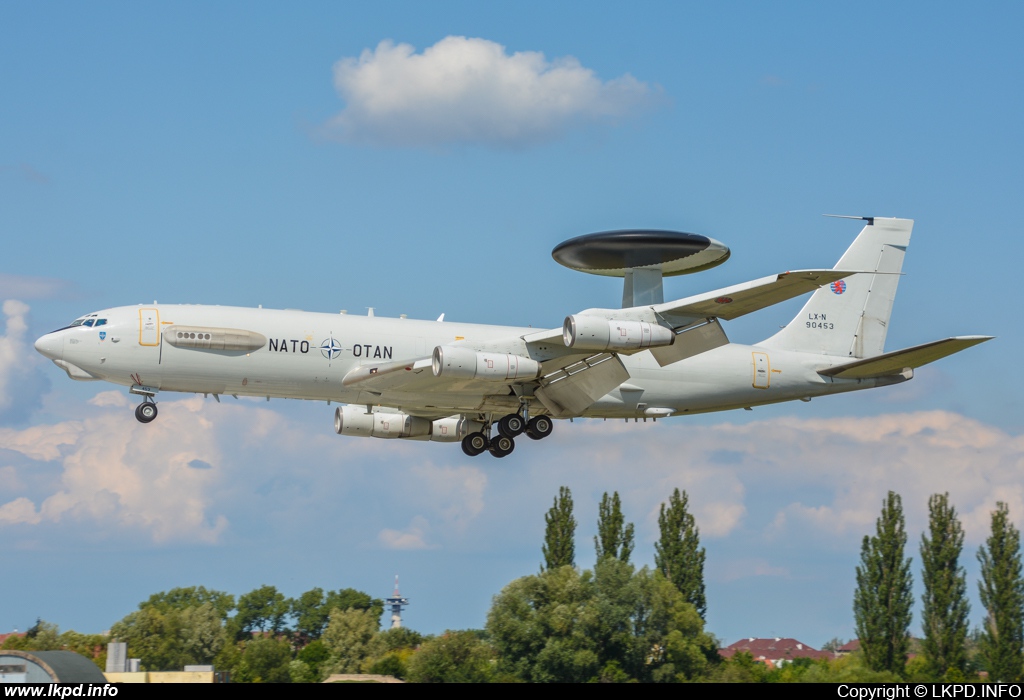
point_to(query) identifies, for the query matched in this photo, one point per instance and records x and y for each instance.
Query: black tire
(539, 427)
(474, 444)
(512, 425)
(145, 412)
(502, 446)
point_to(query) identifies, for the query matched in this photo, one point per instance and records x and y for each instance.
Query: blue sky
(254, 154)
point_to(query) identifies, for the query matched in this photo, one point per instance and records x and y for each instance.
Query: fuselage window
(101, 322)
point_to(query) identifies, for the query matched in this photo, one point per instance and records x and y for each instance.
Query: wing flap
(900, 360)
(693, 340)
(574, 388)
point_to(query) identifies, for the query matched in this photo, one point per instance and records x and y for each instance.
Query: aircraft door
(149, 327)
(762, 370)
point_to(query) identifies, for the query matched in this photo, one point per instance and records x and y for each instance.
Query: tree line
(883, 600)
(612, 623)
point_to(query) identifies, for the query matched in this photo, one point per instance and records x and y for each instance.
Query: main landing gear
(509, 427)
(145, 412)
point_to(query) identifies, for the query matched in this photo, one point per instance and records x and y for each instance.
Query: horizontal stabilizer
(909, 358)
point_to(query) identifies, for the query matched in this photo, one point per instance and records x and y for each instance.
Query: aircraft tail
(850, 317)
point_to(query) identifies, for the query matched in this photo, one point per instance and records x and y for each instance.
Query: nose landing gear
(146, 411)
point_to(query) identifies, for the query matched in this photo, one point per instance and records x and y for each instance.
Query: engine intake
(466, 363)
(594, 333)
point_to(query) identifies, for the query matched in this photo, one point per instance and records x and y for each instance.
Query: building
(47, 667)
(773, 650)
(848, 648)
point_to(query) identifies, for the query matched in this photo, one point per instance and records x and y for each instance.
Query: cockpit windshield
(89, 321)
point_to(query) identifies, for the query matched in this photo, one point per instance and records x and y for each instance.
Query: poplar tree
(883, 599)
(559, 546)
(614, 535)
(945, 589)
(678, 554)
(1002, 593)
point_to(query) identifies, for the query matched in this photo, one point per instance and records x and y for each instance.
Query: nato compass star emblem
(331, 348)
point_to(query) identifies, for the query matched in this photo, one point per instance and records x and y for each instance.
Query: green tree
(191, 597)
(42, 636)
(944, 617)
(454, 657)
(563, 625)
(201, 632)
(678, 554)
(559, 537)
(393, 663)
(312, 610)
(614, 537)
(301, 672)
(350, 598)
(263, 609)
(348, 637)
(883, 598)
(389, 651)
(153, 637)
(310, 614)
(264, 660)
(1002, 594)
(46, 636)
(394, 639)
(315, 655)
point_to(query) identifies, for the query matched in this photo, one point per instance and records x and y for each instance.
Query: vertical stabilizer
(850, 317)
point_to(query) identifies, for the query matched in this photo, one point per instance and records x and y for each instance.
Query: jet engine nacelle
(354, 420)
(466, 363)
(453, 429)
(594, 333)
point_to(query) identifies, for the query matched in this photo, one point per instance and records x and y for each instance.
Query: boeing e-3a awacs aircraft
(449, 382)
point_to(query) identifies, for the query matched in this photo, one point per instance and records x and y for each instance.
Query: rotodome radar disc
(612, 253)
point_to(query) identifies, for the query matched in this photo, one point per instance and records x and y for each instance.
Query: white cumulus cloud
(471, 90)
(413, 537)
(131, 476)
(21, 382)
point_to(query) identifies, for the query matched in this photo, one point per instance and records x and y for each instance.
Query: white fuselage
(307, 355)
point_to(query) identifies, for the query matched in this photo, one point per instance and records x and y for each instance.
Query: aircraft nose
(51, 345)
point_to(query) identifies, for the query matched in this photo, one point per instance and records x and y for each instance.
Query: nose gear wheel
(146, 412)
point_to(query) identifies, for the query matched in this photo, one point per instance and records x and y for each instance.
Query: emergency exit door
(762, 370)
(149, 327)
